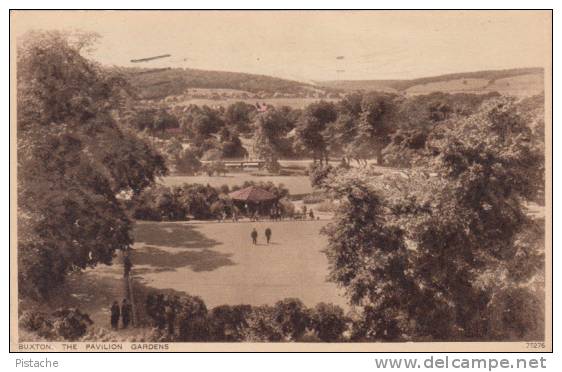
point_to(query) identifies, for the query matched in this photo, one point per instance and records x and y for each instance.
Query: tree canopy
(421, 252)
(73, 159)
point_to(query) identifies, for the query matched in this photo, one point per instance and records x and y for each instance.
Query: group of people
(123, 312)
(254, 235)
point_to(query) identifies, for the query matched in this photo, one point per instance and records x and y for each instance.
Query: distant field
(457, 85)
(217, 262)
(519, 86)
(277, 102)
(522, 85)
(515, 82)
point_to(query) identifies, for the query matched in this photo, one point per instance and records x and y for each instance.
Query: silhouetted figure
(115, 314)
(311, 214)
(126, 310)
(268, 234)
(254, 235)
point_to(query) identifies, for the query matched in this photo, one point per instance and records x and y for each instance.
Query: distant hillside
(164, 82)
(519, 82)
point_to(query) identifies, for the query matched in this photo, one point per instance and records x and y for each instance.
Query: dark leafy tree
(228, 323)
(272, 127)
(201, 122)
(292, 317)
(240, 115)
(193, 324)
(376, 123)
(187, 162)
(421, 253)
(231, 145)
(73, 159)
(328, 322)
(310, 129)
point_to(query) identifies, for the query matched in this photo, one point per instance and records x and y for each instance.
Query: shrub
(318, 173)
(37, 322)
(287, 207)
(273, 166)
(228, 323)
(65, 323)
(187, 163)
(192, 320)
(292, 317)
(262, 326)
(329, 322)
(71, 323)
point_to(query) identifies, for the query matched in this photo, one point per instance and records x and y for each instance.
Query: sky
(311, 45)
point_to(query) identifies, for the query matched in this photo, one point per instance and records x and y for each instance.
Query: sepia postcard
(280, 181)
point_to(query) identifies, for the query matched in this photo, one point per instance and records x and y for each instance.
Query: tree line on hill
(162, 83)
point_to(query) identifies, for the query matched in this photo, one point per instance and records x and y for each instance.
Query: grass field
(276, 102)
(217, 262)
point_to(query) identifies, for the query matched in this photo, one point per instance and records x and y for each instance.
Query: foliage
(64, 324)
(310, 128)
(154, 121)
(73, 158)
(376, 122)
(202, 202)
(192, 320)
(262, 326)
(173, 81)
(227, 323)
(239, 116)
(421, 252)
(292, 318)
(287, 207)
(271, 129)
(318, 173)
(231, 145)
(216, 167)
(187, 162)
(329, 322)
(280, 191)
(200, 122)
(175, 203)
(287, 320)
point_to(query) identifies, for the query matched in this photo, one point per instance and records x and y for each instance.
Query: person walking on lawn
(115, 314)
(254, 235)
(268, 234)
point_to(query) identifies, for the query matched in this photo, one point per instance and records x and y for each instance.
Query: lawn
(295, 103)
(217, 262)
